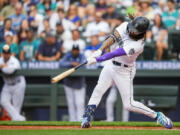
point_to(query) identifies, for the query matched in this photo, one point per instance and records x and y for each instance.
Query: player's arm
(111, 39)
(107, 56)
(11, 67)
(110, 55)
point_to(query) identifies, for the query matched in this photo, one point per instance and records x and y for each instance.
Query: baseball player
(126, 43)
(12, 94)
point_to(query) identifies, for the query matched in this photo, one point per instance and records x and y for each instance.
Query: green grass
(90, 132)
(66, 123)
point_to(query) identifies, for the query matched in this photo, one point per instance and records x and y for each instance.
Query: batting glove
(96, 54)
(91, 61)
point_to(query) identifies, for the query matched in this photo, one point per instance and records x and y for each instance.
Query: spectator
(101, 6)
(146, 9)
(95, 45)
(112, 17)
(90, 15)
(125, 3)
(24, 25)
(43, 27)
(82, 8)
(50, 50)
(44, 4)
(1, 4)
(18, 17)
(8, 41)
(7, 27)
(68, 26)
(8, 10)
(161, 7)
(83, 3)
(68, 44)
(60, 17)
(48, 13)
(22, 33)
(13, 90)
(170, 17)
(34, 17)
(74, 86)
(26, 5)
(98, 27)
(134, 9)
(158, 34)
(29, 47)
(73, 15)
(60, 33)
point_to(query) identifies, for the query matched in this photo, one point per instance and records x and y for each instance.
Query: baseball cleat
(85, 123)
(164, 121)
(87, 117)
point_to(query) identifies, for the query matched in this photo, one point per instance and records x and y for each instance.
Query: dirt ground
(78, 127)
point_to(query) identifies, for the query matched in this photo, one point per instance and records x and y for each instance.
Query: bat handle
(77, 67)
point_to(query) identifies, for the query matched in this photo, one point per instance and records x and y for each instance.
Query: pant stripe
(133, 98)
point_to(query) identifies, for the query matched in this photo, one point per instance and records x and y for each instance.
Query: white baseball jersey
(122, 76)
(132, 48)
(12, 65)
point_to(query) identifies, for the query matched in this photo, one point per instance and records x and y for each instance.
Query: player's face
(75, 52)
(6, 56)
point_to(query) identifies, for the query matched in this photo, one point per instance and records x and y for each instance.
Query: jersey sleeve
(133, 47)
(122, 28)
(11, 67)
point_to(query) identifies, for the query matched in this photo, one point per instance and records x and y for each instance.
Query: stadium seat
(157, 96)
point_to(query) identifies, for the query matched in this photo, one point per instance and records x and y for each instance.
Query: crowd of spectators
(45, 30)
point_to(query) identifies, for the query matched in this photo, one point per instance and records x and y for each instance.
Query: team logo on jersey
(131, 51)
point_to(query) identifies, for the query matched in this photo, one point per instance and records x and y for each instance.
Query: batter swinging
(126, 43)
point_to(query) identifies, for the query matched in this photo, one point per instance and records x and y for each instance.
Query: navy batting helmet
(138, 27)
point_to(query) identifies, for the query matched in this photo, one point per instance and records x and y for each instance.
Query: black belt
(17, 81)
(119, 64)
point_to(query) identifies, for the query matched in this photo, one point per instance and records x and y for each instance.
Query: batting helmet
(138, 27)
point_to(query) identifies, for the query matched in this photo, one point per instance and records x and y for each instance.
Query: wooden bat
(66, 73)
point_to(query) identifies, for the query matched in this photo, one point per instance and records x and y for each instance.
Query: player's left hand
(91, 61)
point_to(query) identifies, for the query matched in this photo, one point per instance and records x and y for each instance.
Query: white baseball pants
(12, 97)
(76, 102)
(123, 79)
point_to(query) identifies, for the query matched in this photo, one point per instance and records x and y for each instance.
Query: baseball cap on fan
(6, 49)
(75, 47)
(51, 33)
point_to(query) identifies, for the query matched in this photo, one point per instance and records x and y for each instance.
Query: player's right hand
(91, 61)
(96, 54)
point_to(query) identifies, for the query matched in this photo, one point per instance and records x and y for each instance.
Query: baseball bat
(66, 73)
